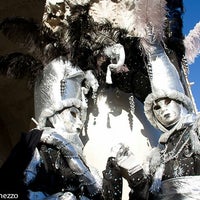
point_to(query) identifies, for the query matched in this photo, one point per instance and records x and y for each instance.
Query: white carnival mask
(69, 120)
(167, 111)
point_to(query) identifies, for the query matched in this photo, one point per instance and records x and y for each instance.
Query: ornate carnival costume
(179, 157)
(172, 169)
(57, 167)
(78, 33)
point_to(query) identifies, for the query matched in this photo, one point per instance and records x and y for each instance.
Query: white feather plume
(150, 12)
(77, 2)
(119, 13)
(192, 44)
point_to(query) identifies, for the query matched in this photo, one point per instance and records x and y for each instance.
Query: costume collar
(184, 122)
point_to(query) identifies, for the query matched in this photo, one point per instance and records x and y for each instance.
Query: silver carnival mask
(167, 111)
(69, 120)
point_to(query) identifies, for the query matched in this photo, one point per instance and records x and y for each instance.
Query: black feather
(18, 65)
(20, 30)
(38, 40)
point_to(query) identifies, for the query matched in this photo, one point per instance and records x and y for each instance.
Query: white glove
(125, 158)
(61, 196)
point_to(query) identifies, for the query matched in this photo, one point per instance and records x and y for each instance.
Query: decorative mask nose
(79, 124)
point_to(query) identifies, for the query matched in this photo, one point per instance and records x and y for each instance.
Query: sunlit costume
(171, 170)
(110, 53)
(57, 168)
(104, 47)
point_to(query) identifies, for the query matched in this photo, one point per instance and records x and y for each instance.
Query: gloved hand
(125, 158)
(61, 196)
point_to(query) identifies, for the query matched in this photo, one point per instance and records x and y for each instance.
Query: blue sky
(190, 18)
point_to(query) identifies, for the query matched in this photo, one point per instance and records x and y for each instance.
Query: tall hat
(59, 87)
(165, 80)
(150, 26)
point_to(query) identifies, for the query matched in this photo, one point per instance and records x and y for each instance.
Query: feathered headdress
(82, 30)
(119, 13)
(150, 13)
(192, 44)
(164, 77)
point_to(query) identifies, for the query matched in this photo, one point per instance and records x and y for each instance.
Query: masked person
(47, 163)
(171, 170)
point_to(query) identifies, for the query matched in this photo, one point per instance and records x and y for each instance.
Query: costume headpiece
(164, 77)
(57, 88)
(192, 44)
(165, 82)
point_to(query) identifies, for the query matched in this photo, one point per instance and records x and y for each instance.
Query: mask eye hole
(167, 101)
(73, 114)
(156, 107)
